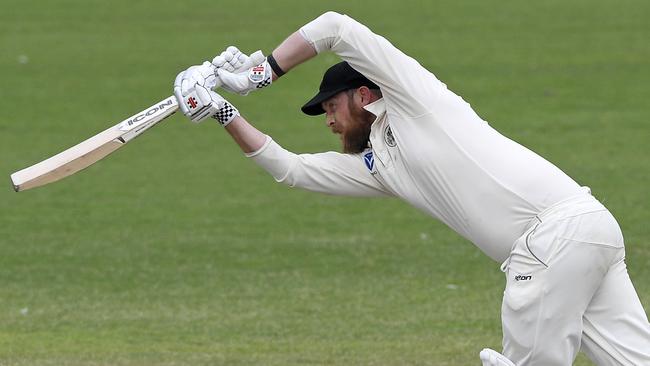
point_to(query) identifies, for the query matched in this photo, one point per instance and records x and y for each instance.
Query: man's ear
(365, 94)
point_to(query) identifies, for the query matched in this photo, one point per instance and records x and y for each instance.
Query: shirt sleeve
(329, 172)
(402, 80)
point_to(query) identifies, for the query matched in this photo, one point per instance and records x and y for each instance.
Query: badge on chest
(369, 160)
(389, 139)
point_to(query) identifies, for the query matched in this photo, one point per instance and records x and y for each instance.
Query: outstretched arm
(401, 78)
(329, 172)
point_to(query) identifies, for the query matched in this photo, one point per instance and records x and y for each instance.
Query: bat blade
(93, 149)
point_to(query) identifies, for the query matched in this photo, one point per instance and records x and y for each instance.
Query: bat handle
(254, 59)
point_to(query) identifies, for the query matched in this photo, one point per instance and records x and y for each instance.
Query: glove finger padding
(235, 61)
(238, 58)
(220, 62)
(178, 92)
(230, 59)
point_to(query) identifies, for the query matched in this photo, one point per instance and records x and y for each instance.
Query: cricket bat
(93, 149)
(99, 146)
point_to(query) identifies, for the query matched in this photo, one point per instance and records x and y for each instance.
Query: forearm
(292, 52)
(249, 138)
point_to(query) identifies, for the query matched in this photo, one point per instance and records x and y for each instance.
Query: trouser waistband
(572, 206)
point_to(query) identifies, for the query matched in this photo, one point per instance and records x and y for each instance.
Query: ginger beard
(356, 134)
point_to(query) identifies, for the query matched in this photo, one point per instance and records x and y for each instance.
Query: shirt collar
(378, 107)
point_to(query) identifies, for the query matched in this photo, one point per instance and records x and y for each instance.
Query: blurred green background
(178, 251)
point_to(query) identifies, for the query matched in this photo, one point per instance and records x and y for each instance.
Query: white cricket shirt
(428, 147)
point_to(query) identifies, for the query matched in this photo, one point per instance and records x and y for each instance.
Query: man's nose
(329, 121)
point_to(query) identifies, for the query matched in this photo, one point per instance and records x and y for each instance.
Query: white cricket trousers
(568, 288)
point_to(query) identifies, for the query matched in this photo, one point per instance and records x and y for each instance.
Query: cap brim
(313, 107)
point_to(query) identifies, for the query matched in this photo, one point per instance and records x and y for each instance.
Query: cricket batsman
(405, 134)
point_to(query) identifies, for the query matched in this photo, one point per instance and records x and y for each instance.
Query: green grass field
(176, 250)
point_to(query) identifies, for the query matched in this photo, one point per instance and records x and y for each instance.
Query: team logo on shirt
(389, 138)
(369, 159)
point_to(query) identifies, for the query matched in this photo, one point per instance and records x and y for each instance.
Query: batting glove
(231, 59)
(193, 91)
(257, 75)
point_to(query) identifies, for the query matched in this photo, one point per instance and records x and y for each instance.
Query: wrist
(226, 114)
(274, 65)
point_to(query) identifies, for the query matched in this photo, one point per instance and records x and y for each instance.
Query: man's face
(345, 117)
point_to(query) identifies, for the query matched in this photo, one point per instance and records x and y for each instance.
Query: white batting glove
(257, 74)
(231, 59)
(490, 357)
(193, 91)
